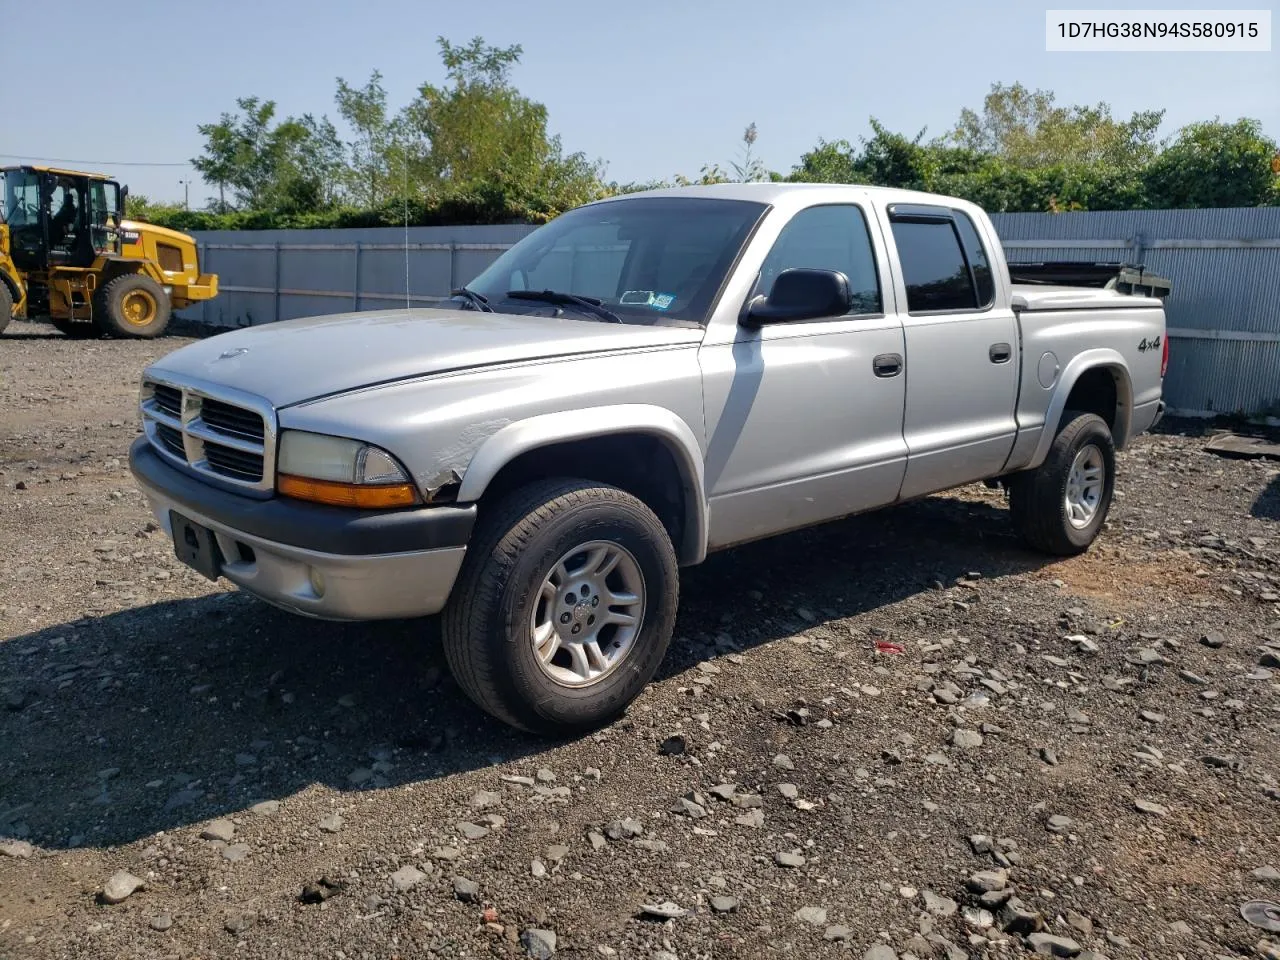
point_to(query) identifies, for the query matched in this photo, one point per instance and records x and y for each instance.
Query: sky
(653, 88)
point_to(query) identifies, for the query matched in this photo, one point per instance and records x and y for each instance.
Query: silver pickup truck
(639, 382)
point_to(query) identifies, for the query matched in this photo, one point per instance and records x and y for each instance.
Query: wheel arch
(1088, 374)
(114, 266)
(577, 434)
(15, 289)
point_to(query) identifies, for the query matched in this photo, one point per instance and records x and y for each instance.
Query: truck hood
(297, 360)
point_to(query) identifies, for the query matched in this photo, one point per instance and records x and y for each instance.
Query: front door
(962, 352)
(804, 420)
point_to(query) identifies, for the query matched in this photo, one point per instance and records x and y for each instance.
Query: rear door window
(934, 268)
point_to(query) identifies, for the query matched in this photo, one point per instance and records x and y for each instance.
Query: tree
(1215, 164)
(287, 165)
(367, 167)
(1028, 129)
(828, 162)
(479, 130)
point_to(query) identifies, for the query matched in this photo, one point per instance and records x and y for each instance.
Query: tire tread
(501, 538)
(1034, 496)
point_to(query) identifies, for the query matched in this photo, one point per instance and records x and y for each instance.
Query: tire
(132, 305)
(489, 630)
(1050, 509)
(77, 329)
(6, 306)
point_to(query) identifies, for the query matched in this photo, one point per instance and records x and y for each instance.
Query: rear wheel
(1060, 506)
(6, 306)
(132, 305)
(564, 606)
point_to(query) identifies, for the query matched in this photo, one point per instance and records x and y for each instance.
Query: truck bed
(1127, 278)
(1035, 296)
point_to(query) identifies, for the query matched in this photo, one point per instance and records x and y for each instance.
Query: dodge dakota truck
(641, 381)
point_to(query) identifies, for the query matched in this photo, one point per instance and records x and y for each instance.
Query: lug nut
(564, 618)
(577, 628)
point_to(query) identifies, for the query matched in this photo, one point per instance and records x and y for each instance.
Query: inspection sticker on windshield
(647, 298)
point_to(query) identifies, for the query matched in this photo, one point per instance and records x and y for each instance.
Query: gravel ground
(1064, 756)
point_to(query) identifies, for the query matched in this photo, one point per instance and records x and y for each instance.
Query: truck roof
(59, 171)
(773, 192)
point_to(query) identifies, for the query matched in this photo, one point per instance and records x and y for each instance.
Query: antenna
(404, 157)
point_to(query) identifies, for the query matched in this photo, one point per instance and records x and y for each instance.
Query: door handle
(1000, 353)
(887, 364)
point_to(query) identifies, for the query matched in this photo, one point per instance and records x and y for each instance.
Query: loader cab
(59, 218)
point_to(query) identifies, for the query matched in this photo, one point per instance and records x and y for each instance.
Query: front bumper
(368, 565)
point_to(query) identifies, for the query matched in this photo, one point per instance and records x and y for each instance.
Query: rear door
(962, 354)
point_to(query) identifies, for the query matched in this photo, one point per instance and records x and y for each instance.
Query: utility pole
(186, 194)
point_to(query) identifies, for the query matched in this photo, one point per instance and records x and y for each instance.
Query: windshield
(647, 259)
(21, 198)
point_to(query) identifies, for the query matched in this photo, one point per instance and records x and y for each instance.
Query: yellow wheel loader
(68, 254)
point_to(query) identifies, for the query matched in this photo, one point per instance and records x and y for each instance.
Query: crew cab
(642, 381)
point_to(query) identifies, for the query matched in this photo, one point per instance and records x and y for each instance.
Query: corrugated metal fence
(1224, 313)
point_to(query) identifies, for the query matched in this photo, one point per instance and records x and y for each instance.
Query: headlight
(340, 472)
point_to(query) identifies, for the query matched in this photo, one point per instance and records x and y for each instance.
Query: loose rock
(222, 830)
(966, 739)
(938, 905)
(814, 916)
(19, 849)
(1047, 945)
(121, 887)
(724, 904)
(240, 921)
(1149, 806)
(663, 911)
(406, 878)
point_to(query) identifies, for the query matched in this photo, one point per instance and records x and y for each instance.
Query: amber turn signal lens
(347, 494)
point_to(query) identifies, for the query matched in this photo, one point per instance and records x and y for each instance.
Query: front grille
(169, 400)
(171, 439)
(233, 463)
(230, 437)
(236, 421)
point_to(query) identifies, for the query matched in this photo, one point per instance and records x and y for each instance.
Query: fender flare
(569, 425)
(15, 288)
(1098, 358)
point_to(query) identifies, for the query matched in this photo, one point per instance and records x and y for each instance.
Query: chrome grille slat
(232, 462)
(200, 428)
(225, 418)
(225, 435)
(169, 400)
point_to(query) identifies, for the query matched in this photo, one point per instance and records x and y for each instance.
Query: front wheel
(6, 306)
(564, 606)
(1060, 506)
(132, 305)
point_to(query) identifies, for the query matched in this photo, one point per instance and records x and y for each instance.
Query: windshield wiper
(589, 304)
(477, 300)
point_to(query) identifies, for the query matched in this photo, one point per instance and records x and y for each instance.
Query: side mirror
(801, 294)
